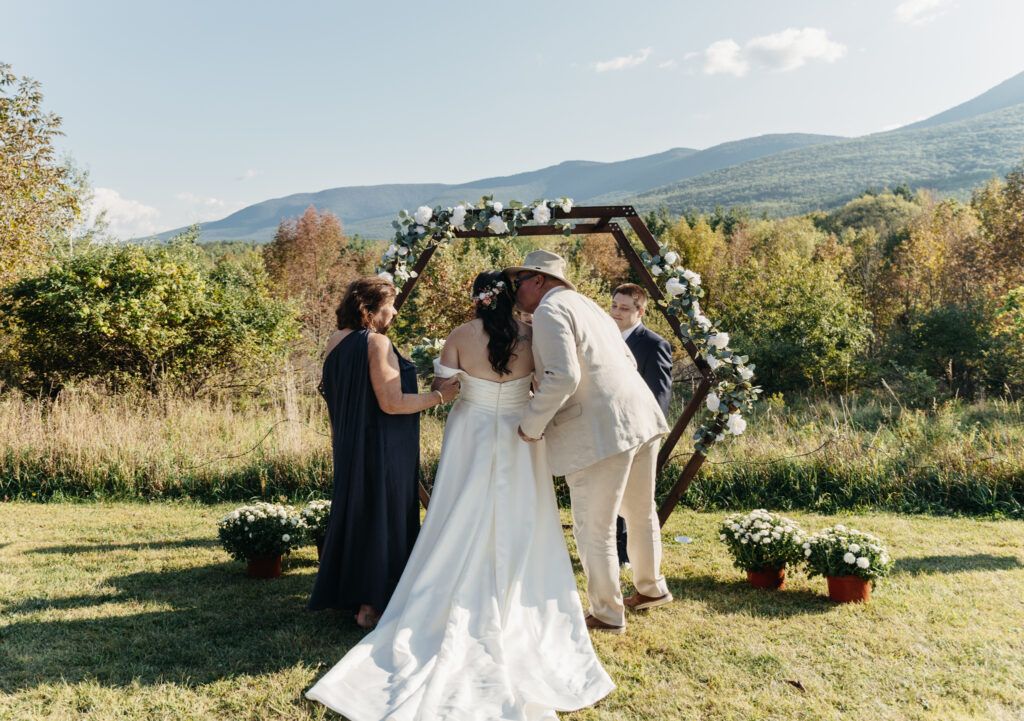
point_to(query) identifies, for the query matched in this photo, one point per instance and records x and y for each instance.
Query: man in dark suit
(653, 360)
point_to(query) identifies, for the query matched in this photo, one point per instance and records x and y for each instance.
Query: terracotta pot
(319, 550)
(264, 566)
(767, 578)
(847, 589)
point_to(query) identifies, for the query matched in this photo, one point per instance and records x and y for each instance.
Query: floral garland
(427, 227)
(734, 391)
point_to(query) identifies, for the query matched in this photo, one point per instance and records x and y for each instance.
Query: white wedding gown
(485, 623)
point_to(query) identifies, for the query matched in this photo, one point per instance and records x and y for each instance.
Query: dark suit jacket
(654, 361)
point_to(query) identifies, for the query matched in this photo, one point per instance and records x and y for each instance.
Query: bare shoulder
(378, 344)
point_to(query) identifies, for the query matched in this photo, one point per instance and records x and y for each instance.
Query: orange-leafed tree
(308, 261)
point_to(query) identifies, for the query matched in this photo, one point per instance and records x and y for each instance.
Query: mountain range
(782, 174)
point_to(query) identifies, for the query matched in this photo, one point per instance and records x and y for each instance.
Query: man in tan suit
(602, 427)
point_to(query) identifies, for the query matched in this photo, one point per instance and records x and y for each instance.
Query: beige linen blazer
(590, 402)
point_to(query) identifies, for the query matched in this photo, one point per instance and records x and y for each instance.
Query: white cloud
(725, 56)
(127, 218)
(781, 52)
(792, 48)
(249, 174)
(625, 61)
(196, 202)
(667, 65)
(918, 12)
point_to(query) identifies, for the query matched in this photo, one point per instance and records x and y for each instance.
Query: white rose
(674, 287)
(497, 225)
(691, 277)
(776, 535)
(766, 539)
(656, 270)
(703, 321)
(850, 558)
(863, 562)
(420, 229)
(250, 519)
(498, 207)
(671, 257)
(743, 541)
(807, 552)
(542, 214)
(712, 361)
(854, 548)
(839, 527)
(712, 402)
(423, 215)
(745, 373)
(459, 217)
(806, 546)
(392, 249)
(721, 536)
(736, 425)
(567, 205)
(719, 340)
(386, 276)
(403, 251)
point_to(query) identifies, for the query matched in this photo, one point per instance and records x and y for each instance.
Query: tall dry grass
(843, 453)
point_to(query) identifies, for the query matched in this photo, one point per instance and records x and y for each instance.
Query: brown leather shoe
(639, 602)
(596, 624)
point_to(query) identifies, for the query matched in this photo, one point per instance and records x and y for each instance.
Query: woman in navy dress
(374, 406)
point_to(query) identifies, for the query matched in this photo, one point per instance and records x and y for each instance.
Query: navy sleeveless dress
(375, 514)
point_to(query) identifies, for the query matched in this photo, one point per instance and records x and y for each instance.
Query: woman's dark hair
(363, 298)
(499, 323)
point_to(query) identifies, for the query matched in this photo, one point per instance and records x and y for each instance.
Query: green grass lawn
(132, 611)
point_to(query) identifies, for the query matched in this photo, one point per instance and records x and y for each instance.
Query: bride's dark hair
(494, 306)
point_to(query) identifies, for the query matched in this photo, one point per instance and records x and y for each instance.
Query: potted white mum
(316, 514)
(762, 544)
(261, 534)
(850, 560)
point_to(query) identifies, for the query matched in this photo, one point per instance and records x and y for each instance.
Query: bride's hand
(449, 389)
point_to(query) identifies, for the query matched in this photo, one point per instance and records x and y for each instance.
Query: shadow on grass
(738, 597)
(955, 564)
(219, 624)
(89, 548)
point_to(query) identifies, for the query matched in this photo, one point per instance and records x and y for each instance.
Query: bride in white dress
(486, 623)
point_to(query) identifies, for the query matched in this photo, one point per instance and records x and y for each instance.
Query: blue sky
(186, 111)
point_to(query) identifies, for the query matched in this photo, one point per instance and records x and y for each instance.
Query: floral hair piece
(486, 297)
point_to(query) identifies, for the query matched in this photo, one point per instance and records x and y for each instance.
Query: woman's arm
(387, 382)
(449, 357)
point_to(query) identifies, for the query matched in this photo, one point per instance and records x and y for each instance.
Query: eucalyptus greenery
(428, 227)
(424, 353)
(734, 391)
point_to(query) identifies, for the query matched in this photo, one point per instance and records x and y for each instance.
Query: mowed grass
(132, 611)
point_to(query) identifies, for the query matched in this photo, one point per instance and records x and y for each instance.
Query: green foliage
(132, 314)
(40, 198)
(799, 320)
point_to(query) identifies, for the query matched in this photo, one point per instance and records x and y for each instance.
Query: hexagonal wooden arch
(602, 219)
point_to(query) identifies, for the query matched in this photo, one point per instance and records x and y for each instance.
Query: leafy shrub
(132, 314)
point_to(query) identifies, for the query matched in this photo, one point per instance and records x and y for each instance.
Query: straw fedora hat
(542, 261)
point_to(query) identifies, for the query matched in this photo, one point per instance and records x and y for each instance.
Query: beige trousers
(622, 484)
